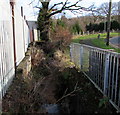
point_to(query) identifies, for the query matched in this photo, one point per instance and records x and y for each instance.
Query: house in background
(34, 33)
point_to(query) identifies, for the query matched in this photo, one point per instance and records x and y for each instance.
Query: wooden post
(12, 3)
(33, 34)
(22, 11)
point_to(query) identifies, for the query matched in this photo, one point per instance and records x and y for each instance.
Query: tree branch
(69, 94)
(55, 5)
(65, 7)
(37, 7)
(31, 2)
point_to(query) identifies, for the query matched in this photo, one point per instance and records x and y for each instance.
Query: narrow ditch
(54, 85)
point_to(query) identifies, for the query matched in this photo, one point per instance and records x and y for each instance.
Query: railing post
(106, 72)
(119, 81)
(71, 52)
(81, 57)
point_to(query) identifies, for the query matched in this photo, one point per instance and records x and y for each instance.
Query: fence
(6, 47)
(102, 68)
(22, 40)
(22, 35)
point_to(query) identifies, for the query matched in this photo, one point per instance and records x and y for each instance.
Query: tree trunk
(44, 30)
(44, 22)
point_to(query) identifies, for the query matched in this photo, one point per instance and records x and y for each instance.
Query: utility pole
(104, 24)
(108, 23)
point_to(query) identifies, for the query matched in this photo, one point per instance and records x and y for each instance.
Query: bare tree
(101, 13)
(46, 12)
(103, 10)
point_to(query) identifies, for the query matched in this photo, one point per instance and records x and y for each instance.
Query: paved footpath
(115, 41)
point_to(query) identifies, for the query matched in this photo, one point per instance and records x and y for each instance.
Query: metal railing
(102, 67)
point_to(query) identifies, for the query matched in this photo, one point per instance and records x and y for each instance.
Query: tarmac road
(115, 41)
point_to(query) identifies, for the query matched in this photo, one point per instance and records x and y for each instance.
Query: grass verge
(94, 41)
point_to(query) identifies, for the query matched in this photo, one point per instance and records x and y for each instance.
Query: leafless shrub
(61, 35)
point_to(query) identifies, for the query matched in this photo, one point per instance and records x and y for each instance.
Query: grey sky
(31, 13)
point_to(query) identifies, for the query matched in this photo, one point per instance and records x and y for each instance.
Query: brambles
(103, 102)
(61, 35)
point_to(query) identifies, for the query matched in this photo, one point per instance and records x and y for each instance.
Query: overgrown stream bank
(53, 83)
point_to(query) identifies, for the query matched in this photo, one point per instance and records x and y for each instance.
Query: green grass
(93, 36)
(84, 37)
(97, 42)
(101, 44)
